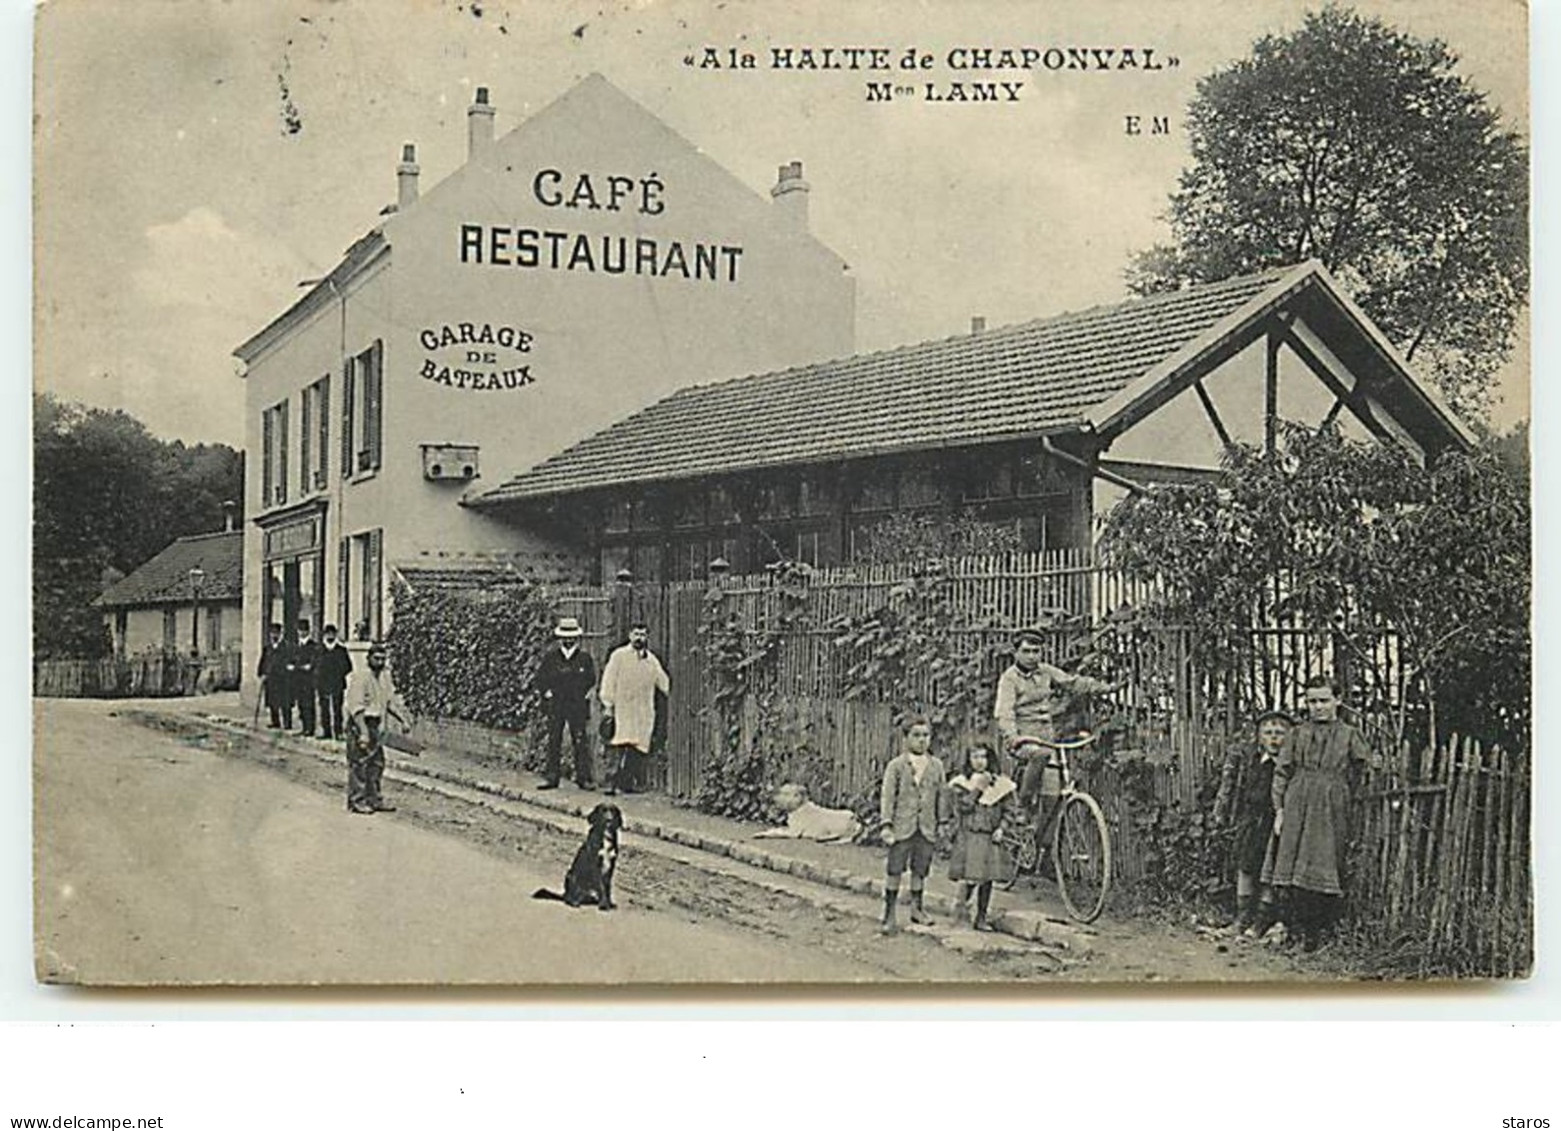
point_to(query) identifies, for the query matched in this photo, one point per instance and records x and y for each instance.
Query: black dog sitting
(590, 876)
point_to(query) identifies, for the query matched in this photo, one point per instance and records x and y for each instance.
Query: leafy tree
(107, 496)
(1357, 541)
(1350, 142)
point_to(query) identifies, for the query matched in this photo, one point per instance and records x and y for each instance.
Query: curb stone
(1030, 926)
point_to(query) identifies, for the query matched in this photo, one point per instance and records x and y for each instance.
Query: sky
(177, 209)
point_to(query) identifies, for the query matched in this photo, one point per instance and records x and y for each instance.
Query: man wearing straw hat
(565, 678)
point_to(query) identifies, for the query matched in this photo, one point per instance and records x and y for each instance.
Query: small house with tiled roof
(1038, 427)
(184, 600)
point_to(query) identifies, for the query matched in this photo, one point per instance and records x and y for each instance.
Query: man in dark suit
(306, 658)
(276, 678)
(565, 677)
(330, 682)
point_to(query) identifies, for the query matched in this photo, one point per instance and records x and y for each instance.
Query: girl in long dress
(1314, 782)
(985, 803)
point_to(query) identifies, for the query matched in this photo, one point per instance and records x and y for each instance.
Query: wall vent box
(450, 461)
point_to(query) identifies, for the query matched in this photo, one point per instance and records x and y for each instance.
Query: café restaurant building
(581, 266)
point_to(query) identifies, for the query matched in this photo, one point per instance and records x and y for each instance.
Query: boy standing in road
(914, 808)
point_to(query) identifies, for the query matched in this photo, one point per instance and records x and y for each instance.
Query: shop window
(170, 630)
(273, 456)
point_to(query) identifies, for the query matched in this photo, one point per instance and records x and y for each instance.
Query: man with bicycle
(1031, 696)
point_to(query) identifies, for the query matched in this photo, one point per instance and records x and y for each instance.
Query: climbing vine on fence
(741, 660)
(471, 654)
(920, 652)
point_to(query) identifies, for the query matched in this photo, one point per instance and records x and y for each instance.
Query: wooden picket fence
(1442, 868)
(1442, 872)
(156, 675)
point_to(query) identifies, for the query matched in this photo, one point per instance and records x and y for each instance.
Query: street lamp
(197, 579)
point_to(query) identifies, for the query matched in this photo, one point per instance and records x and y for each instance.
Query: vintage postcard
(732, 493)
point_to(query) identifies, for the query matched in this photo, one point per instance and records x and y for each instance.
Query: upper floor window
(314, 436)
(363, 411)
(273, 451)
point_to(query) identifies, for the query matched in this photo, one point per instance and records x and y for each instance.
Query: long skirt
(1313, 838)
(977, 859)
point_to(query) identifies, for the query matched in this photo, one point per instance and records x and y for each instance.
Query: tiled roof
(165, 579)
(1025, 380)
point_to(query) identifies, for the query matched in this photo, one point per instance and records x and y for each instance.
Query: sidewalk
(1032, 912)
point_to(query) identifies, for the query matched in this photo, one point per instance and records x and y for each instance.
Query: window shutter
(324, 406)
(281, 447)
(374, 404)
(343, 584)
(305, 440)
(377, 556)
(349, 381)
(267, 456)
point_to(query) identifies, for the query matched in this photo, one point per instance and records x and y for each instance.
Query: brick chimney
(790, 194)
(479, 125)
(406, 178)
(978, 323)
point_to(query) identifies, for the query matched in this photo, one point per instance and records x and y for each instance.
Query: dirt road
(166, 858)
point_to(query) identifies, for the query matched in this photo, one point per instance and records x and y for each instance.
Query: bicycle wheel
(1026, 853)
(1081, 851)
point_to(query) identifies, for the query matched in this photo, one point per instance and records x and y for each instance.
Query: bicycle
(1074, 828)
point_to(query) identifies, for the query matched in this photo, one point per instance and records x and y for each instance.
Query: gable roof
(1013, 382)
(593, 98)
(1093, 370)
(165, 578)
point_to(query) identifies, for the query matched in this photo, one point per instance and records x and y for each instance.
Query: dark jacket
(1244, 805)
(565, 684)
(276, 668)
(306, 658)
(330, 673)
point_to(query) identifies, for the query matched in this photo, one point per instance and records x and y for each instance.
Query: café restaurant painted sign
(561, 249)
(476, 355)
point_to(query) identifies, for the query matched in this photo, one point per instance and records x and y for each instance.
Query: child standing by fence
(1314, 779)
(1244, 807)
(984, 805)
(913, 808)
